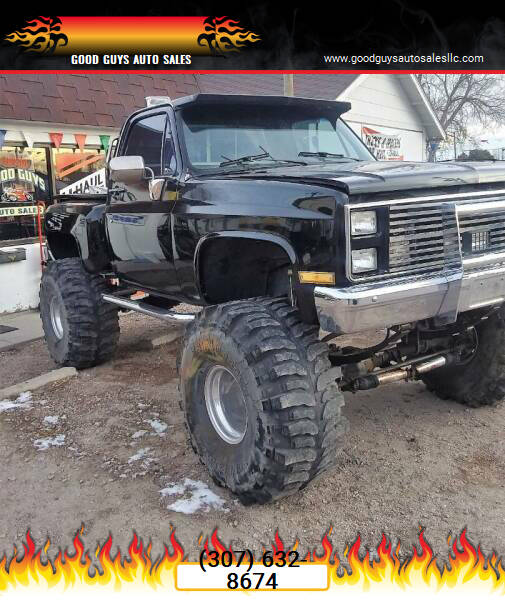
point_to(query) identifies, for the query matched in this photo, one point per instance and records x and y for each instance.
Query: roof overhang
(415, 93)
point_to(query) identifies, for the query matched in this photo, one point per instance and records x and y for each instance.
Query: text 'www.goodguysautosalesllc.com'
(409, 59)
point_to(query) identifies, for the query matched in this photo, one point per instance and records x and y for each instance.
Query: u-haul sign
(87, 185)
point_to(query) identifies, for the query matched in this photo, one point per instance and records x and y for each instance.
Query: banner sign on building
(384, 146)
(22, 176)
(20, 211)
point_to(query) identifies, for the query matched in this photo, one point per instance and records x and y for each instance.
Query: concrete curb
(37, 382)
(21, 343)
(167, 338)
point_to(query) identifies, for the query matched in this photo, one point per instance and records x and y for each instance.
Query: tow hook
(407, 372)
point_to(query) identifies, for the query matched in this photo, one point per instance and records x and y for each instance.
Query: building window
(23, 183)
(71, 166)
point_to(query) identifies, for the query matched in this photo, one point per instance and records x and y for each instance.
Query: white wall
(19, 289)
(380, 102)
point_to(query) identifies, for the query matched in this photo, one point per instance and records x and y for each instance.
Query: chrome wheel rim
(225, 404)
(56, 317)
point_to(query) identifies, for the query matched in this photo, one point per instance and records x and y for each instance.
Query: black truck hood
(386, 176)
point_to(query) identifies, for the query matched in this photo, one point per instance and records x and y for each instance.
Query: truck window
(146, 139)
(320, 135)
(232, 132)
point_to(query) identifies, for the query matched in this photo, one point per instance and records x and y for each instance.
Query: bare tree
(461, 100)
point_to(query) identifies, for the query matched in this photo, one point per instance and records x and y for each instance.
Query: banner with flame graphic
(466, 569)
(85, 35)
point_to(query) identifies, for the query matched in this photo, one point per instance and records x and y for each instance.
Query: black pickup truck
(272, 215)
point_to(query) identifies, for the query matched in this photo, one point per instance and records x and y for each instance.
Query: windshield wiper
(242, 159)
(284, 160)
(252, 157)
(328, 155)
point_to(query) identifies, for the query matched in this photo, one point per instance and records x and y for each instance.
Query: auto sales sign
(384, 146)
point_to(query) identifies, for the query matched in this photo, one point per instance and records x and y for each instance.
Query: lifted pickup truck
(272, 215)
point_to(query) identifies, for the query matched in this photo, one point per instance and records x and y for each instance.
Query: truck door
(139, 228)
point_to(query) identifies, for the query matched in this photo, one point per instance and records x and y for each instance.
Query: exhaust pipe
(407, 372)
(146, 309)
(429, 365)
(392, 376)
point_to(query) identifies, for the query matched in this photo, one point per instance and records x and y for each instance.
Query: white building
(396, 107)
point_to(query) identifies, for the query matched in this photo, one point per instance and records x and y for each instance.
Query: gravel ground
(99, 449)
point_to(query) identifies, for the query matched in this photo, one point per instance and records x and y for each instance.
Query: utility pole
(289, 87)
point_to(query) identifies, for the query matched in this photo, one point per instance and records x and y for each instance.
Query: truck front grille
(483, 233)
(423, 238)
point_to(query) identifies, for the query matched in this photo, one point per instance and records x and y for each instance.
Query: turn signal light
(316, 277)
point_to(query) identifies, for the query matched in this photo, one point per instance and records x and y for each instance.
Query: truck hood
(386, 176)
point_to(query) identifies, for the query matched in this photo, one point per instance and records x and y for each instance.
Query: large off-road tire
(259, 365)
(81, 330)
(481, 380)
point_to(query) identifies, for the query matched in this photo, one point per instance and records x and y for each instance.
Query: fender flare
(251, 235)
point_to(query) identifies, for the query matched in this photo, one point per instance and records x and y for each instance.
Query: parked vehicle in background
(271, 214)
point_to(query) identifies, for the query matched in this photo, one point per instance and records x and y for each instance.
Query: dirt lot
(100, 448)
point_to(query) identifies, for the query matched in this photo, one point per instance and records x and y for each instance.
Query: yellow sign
(19, 211)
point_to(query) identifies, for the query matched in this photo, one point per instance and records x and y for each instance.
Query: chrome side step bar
(146, 309)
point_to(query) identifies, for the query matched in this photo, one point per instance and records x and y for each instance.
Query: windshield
(215, 137)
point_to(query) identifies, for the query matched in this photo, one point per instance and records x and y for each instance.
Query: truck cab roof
(334, 106)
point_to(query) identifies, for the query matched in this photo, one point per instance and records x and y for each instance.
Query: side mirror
(127, 169)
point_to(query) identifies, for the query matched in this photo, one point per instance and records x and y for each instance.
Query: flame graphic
(70, 569)
(223, 34)
(466, 564)
(42, 35)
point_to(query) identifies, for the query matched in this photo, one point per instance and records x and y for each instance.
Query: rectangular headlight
(363, 222)
(364, 260)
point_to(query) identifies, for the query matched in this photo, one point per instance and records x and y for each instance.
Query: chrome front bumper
(397, 301)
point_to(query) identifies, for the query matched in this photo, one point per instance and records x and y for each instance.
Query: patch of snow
(51, 420)
(158, 426)
(201, 497)
(139, 433)
(24, 400)
(45, 443)
(174, 488)
(25, 397)
(141, 454)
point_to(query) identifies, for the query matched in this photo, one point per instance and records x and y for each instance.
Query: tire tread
(93, 325)
(301, 405)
